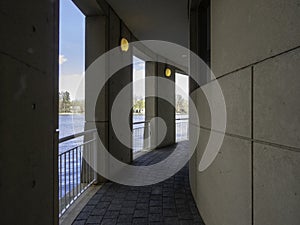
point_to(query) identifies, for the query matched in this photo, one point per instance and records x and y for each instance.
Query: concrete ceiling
(165, 20)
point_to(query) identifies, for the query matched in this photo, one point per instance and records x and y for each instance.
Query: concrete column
(96, 45)
(29, 88)
(151, 102)
(116, 83)
(165, 110)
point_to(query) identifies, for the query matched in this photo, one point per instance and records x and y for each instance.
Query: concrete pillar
(116, 83)
(96, 45)
(151, 102)
(29, 88)
(165, 110)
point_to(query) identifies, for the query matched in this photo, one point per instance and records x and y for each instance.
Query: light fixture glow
(124, 45)
(168, 72)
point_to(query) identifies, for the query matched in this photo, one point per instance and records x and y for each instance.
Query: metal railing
(140, 131)
(74, 173)
(182, 129)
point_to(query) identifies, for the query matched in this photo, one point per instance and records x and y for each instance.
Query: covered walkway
(168, 202)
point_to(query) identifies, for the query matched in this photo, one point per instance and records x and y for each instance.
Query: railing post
(95, 149)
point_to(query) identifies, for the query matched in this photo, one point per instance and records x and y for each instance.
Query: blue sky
(71, 51)
(72, 28)
(71, 54)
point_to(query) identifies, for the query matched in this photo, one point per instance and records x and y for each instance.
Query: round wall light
(124, 45)
(168, 72)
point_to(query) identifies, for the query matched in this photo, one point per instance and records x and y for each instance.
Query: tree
(139, 105)
(181, 104)
(64, 102)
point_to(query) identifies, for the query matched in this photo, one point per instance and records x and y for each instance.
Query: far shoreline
(66, 114)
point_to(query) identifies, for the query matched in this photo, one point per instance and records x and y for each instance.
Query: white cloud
(62, 59)
(74, 84)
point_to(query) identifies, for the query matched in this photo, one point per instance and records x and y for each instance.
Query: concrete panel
(116, 83)
(165, 110)
(276, 186)
(27, 144)
(27, 31)
(96, 44)
(193, 168)
(276, 100)
(236, 88)
(151, 102)
(256, 30)
(224, 189)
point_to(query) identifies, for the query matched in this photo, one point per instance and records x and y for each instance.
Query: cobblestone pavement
(168, 202)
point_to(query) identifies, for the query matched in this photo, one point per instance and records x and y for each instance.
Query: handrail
(67, 138)
(140, 122)
(75, 173)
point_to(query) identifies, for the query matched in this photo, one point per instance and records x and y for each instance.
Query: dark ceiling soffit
(92, 7)
(195, 4)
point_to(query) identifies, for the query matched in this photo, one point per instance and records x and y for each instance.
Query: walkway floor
(168, 202)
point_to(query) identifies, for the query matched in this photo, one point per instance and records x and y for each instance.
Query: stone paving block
(143, 200)
(79, 222)
(142, 206)
(155, 203)
(140, 213)
(88, 208)
(129, 203)
(171, 221)
(83, 216)
(115, 207)
(155, 209)
(171, 212)
(111, 214)
(124, 219)
(109, 222)
(102, 205)
(186, 222)
(155, 218)
(98, 212)
(94, 219)
(126, 210)
(140, 221)
(156, 191)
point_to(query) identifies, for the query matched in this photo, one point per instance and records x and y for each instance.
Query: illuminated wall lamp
(168, 72)
(124, 45)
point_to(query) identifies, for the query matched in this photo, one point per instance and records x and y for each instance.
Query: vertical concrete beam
(116, 83)
(96, 45)
(165, 110)
(151, 102)
(28, 88)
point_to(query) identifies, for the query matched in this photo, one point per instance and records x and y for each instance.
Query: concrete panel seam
(252, 151)
(289, 148)
(21, 61)
(255, 63)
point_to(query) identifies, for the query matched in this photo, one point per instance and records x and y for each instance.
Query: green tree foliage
(64, 102)
(139, 106)
(181, 104)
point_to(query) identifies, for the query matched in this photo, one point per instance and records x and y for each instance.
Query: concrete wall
(157, 107)
(104, 32)
(166, 110)
(255, 55)
(117, 30)
(28, 89)
(151, 102)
